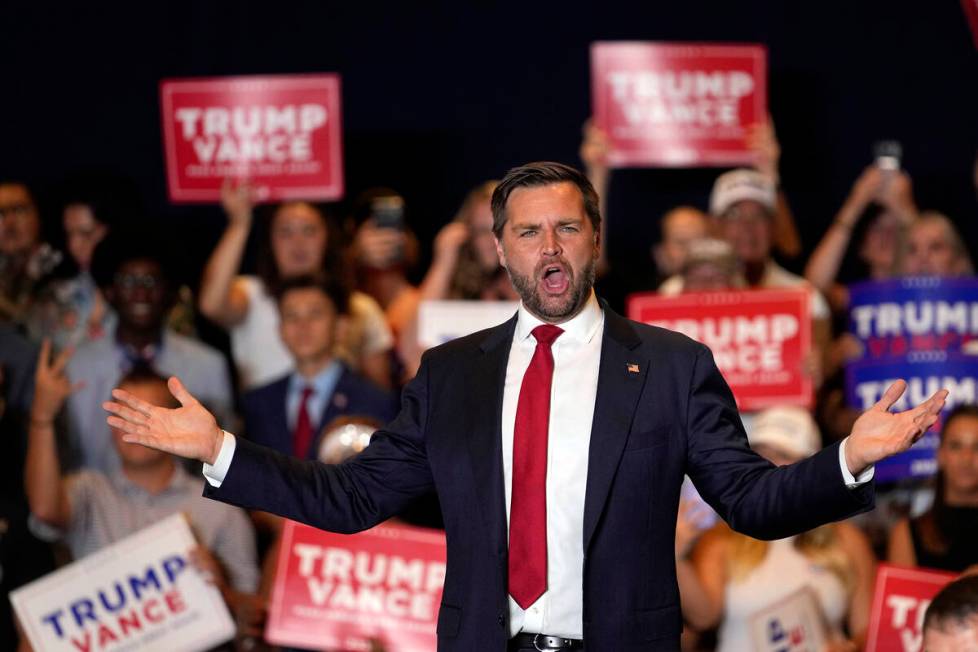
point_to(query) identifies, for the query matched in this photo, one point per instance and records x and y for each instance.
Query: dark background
(440, 96)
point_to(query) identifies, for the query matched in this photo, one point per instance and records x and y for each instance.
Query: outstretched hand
(879, 433)
(188, 431)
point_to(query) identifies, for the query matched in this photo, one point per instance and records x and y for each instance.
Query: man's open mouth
(555, 279)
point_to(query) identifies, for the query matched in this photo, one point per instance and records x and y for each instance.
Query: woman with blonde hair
(737, 577)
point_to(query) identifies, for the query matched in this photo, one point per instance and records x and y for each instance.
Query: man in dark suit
(557, 443)
(289, 414)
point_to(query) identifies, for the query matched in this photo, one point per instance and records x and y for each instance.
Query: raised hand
(238, 200)
(595, 148)
(51, 384)
(866, 188)
(896, 194)
(188, 431)
(450, 239)
(378, 247)
(879, 433)
(763, 142)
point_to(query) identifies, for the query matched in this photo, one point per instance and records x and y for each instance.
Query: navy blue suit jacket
(675, 416)
(265, 417)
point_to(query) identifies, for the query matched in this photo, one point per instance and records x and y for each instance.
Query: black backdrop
(439, 96)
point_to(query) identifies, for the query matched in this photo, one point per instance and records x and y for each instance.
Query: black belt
(542, 642)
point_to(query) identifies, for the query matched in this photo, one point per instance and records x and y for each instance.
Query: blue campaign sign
(925, 373)
(927, 313)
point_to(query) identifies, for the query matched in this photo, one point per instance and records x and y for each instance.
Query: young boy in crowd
(288, 414)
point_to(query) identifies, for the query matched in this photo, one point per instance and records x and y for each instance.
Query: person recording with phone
(296, 239)
(383, 251)
(882, 199)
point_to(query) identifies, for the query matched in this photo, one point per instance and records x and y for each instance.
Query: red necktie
(302, 435)
(528, 505)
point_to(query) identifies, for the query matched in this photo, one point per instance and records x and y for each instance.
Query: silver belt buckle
(546, 642)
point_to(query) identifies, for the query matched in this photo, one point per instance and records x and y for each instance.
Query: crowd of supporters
(323, 330)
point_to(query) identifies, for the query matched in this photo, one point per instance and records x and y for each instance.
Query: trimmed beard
(580, 290)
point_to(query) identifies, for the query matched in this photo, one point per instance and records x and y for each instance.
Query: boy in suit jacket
(289, 414)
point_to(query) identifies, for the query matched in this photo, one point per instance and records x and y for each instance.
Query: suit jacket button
(501, 619)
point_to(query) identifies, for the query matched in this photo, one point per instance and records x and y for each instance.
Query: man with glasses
(133, 274)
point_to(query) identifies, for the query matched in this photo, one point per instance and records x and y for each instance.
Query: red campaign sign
(678, 104)
(352, 592)
(283, 133)
(900, 601)
(759, 338)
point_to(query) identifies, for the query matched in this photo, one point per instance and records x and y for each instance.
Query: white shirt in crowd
(260, 355)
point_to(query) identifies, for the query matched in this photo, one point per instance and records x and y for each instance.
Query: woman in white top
(736, 577)
(298, 243)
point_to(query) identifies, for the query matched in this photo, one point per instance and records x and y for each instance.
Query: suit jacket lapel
(621, 377)
(484, 413)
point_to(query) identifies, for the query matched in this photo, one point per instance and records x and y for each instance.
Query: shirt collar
(580, 328)
(180, 480)
(322, 383)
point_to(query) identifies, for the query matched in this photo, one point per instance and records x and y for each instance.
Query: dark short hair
(543, 173)
(124, 245)
(335, 291)
(954, 605)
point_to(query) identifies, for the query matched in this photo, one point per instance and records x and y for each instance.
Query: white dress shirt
(577, 355)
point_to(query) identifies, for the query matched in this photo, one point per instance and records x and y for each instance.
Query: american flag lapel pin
(632, 368)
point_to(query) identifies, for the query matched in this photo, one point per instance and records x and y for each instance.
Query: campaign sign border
(805, 395)
(330, 82)
(956, 366)
(884, 572)
(466, 317)
(175, 526)
(277, 631)
(901, 291)
(600, 60)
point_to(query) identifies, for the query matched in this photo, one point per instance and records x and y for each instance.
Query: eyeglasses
(16, 210)
(133, 281)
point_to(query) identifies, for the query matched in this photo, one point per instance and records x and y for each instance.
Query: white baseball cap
(788, 428)
(739, 185)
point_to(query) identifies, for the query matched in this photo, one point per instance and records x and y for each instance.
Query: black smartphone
(888, 154)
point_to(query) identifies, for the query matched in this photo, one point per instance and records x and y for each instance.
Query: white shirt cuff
(851, 482)
(215, 474)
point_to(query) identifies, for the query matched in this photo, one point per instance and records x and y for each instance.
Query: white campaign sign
(792, 624)
(140, 593)
(441, 321)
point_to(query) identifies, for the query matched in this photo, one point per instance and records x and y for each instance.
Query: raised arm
(43, 482)
(437, 281)
(763, 140)
(594, 155)
(823, 266)
(221, 300)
